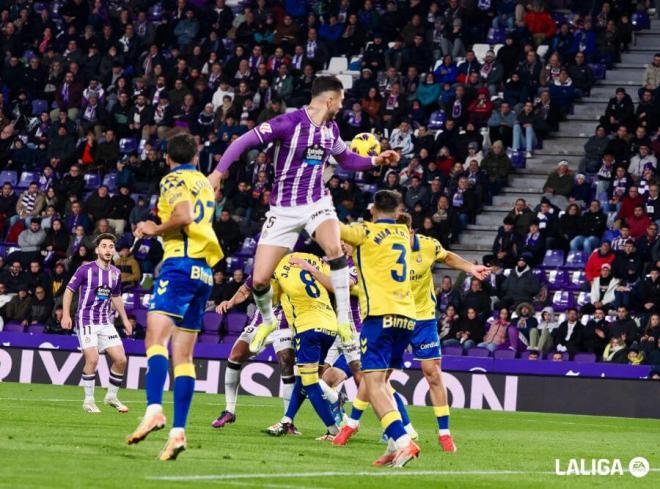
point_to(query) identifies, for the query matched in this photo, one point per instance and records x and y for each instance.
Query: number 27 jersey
(197, 240)
(381, 255)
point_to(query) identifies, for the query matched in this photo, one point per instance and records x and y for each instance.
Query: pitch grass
(47, 441)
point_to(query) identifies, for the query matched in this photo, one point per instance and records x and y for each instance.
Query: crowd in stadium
(91, 90)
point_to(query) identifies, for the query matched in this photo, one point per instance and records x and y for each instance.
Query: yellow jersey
(306, 303)
(382, 254)
(425, 252)
(196, 240)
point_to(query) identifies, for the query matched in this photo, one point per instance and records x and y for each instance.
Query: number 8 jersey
(306, 303)
(381, 255)
(197, 240)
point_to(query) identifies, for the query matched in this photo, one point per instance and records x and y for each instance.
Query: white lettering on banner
(249, 385)
(5, 364)
(27, 357)
(59, 376)
(482, 391)
(454, 389)
(135, 365)
(210, 384)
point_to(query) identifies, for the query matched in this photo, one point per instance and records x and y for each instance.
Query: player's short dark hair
(103, 236)
(326, 84)
(404, 218)
(387, 201)
(182, 148)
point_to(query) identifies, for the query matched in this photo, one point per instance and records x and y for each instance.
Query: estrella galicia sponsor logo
(638, 467)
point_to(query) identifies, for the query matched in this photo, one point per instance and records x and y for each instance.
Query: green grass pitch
(47, 441)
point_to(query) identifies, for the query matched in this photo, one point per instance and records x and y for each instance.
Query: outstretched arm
(459, 263)
(244, 143)
(241, 295)
(354, 162)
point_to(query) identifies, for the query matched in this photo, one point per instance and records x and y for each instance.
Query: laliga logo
(638, 467)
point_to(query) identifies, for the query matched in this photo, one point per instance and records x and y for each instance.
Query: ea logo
(638, 467)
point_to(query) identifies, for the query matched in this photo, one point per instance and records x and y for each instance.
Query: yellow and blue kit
(425, 340)
(307, 307)
(186, 279)
(382, 253)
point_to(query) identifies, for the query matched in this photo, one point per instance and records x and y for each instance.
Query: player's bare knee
(431, 371)
(260, 282)
(120, 363)
(286, 360)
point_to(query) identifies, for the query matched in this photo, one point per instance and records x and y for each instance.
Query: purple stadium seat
(453, 351)
(153, 201)
(525, 355)
(92, 181)
(368, 188)
(156, 13)
(110, 180)
(557, 279)
(599, 70)
(576, 280)
(8, 176)
(248, 249)
(13, 327)
(495, 35)
(26, 178)
(212, 322)
(583, 298)
(128, 145)
(540, 275)
(553, 259)
(208, 338)
(584, 357)
(229, 339)
(611, 234)
(518, 159)
(140, 316)
(437, 120)
(248, 266)
(641, 21)
(39, 106)
(39, 6)
(478, 352)
(236, 322)
(504, 354)
(36, 328)
(234, 263)
(344, 174)
(129, 300)
(576, 259)
(562, 300)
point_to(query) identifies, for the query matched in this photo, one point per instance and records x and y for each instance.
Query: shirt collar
(385, 221)
(186, 166)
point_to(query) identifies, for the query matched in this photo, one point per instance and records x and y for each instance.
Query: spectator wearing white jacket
(602, 292)
(640, 160)
(401, 140)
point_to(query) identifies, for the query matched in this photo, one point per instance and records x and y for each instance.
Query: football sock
(88, 381)
(310, 380)
(442, 414)
(359, 406)
(393, 427)
(232, 378)
(288, 382)
(340, 280)
(264, 301)
(115, 381)
(157, 366)
(296, 400)
(184, 387)
(329, 393)
(401, 406)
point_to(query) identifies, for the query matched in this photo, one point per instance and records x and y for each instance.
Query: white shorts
(99, 337)
(282, 339)
(351, 351)
(284, 224)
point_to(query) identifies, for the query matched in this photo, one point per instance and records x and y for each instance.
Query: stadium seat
(562, 300)
(129, 300)
(557, 279)
(248, 266)
(26, 178)
(641, 21)
(337, 65)
(8, 176)
(92, 181)
(478, 352)
(518, 158)
(229, 339)
(540, 275)
(346, 80)
(39, 106)
(236, 322)
(437, 120)
(585, 357)
(480, 51)
(153, 201)
(13, 327)
(212, 321)
(583, 298)
(128, 145)
(504, 354)
(599, 70)
(576, 280)
(208, 338)
(140, 316)
(496, 35)
(576, 259)
(453, 351)
(234, 263)
(144, 300)
(36, 328)
(110, 180)
(248, 248)
(542, 50)
(553, 259)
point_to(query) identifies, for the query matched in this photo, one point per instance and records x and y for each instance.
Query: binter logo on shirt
(314, 155)
(102, 293)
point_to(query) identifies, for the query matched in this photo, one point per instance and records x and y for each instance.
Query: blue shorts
(181, 291)
(425, 340)
(383, 340)
(342, 365)
(312, 345)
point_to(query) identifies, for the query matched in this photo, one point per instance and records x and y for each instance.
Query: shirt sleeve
(355, 234)
(440, 252)
(277, 291)
(75, 282)
(173, 190)
(272, 130)
(116, 289)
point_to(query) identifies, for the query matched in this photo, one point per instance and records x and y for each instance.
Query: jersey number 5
(200, 211)
(400, 277)
(311, 287)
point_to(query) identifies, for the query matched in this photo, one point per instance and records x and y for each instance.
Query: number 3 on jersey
(201, 211)
(400, 277)
(311, 287)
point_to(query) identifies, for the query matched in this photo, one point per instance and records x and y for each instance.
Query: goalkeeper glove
(346, 332)
(263, 330)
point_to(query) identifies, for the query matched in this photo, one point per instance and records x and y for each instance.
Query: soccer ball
(365, 144)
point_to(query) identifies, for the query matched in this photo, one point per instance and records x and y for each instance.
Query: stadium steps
(567, 143)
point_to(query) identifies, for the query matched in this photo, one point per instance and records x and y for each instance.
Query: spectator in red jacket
(540, 24)
(638, 222)
(628, 204)
(602, 255)
(481, 108)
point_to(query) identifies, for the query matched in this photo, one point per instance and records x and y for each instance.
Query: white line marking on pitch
(274, 486)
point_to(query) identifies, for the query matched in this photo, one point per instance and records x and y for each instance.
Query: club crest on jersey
(326, 132)
(265, 128)
(314, 155)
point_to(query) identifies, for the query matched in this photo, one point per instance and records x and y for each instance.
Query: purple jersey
(97, 287)
(300, 154)
(257, 319)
